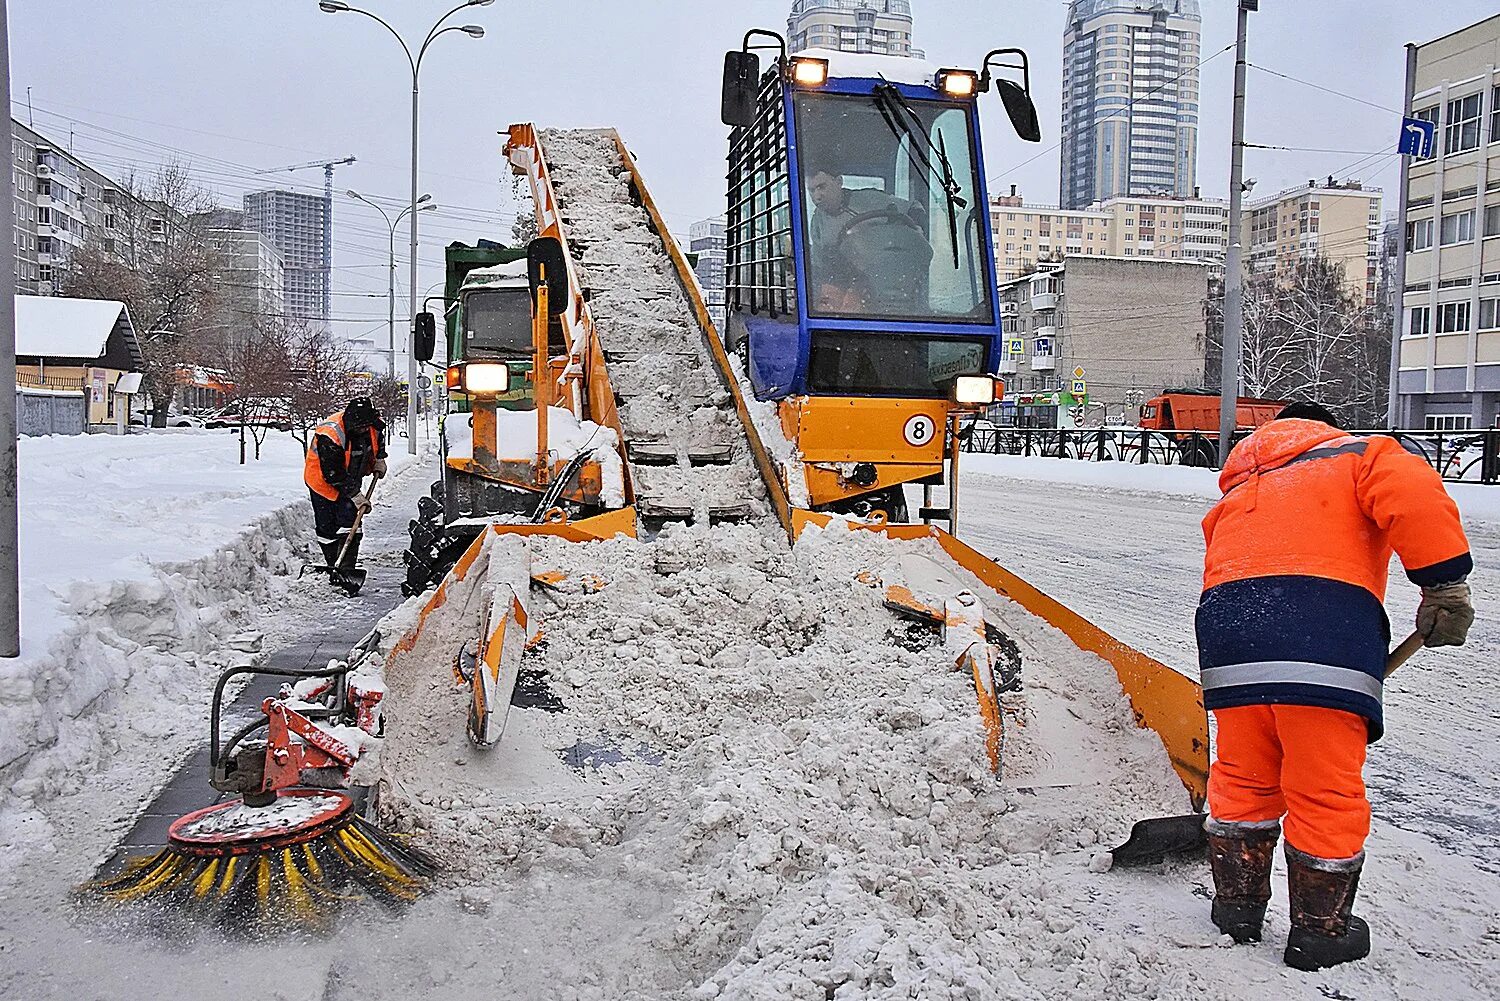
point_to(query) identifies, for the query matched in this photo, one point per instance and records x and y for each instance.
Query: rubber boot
(351, 555)
(330, 552)
(1324, 932)
(1241, 855)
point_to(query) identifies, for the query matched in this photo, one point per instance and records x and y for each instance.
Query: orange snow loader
(494, 577)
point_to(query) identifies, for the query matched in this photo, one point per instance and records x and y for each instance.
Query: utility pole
(1234, 274)
(1398, 323)
(10, 562)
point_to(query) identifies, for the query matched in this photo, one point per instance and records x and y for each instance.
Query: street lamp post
(424, 204)
(415, 61)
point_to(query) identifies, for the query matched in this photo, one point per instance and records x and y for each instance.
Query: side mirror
(424, 337)
(1021, 109)
(544, 255)
(741, 76)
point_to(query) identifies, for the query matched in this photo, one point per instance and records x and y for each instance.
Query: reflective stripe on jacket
(312, 468)
(1297, 557)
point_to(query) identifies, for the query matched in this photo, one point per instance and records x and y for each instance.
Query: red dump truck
(1196, 415)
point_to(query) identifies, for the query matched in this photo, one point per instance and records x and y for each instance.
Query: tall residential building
(1153, 227)
(879, 26)
(1449, 372)
(1338, 221)
(706, 240)
(61, 203)
(1130, 99)
(298, 226)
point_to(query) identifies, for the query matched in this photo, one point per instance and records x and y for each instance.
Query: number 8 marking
(918, 430)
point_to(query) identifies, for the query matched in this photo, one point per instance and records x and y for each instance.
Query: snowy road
(1132, 561)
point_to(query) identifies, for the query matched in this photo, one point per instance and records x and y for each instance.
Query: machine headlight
(481, 378)
(958, 84)
(808, 72)
(977, 390)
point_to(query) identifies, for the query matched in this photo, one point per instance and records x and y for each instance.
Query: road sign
(1079, 387)
(1078, 373)
(424, 382)
(1418, 137)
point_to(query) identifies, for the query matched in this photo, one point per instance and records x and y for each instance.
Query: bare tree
(158, 259)
(253, 361)
(1306, 338)
(320, 377)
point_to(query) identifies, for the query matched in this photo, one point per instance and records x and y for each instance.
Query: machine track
(687, 452)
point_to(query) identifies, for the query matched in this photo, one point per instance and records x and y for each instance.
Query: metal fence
(1461, 456)
(50, 412)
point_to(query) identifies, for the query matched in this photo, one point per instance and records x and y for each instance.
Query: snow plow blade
(1163, 700)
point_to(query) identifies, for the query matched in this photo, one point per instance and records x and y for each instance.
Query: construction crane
(327, 268)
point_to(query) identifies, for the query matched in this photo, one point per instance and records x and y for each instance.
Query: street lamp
(415, 62)
(424, 204)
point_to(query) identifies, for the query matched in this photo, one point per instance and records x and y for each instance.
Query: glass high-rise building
(1130, 99)
(882, 27)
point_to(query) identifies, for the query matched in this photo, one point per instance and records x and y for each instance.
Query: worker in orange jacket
(1292, 643)
(344, 449)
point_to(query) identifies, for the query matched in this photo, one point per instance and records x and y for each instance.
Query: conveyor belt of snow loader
(688, 453)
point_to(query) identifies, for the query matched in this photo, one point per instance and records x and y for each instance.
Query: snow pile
(142, 557)
(822, 816)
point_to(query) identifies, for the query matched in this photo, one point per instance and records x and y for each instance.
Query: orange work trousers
(1303, 763)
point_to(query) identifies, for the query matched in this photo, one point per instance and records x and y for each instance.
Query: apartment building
(299, 227)
(254, 271)
(1449, 352)
(1130, 99)
(61, 203)
(1156, 227)
(1133, 326)
(1339, 221)
(882, 27)
(706, 241)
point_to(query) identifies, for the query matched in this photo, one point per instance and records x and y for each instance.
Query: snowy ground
(803, 810)
(148, 564)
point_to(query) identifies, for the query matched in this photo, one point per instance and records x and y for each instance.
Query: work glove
(378, 468)
(361, 503)
(1445, 615)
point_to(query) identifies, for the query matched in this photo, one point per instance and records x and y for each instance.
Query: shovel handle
(1403, 653)
(359, 517)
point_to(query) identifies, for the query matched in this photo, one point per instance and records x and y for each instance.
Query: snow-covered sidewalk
(141, 556)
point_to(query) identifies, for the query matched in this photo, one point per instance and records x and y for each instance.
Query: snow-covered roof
(866, 66)
(54, 326)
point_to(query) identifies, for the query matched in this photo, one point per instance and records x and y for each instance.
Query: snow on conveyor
(658, 363)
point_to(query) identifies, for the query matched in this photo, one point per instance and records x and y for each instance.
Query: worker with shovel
(1293, 642)
(344, 449)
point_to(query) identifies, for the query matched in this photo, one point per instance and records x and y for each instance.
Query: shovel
(1155, 839)
(352, 579)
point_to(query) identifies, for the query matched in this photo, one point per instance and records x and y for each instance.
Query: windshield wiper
(904, 120)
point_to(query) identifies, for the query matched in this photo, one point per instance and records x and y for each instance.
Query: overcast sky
(230, 87)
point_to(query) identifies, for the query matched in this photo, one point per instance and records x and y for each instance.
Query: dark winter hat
(361, 413)
(1307, 412)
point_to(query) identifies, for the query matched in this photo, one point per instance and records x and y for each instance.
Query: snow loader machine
(593, 396)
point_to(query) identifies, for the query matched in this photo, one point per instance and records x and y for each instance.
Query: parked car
(144, 420)
(270, 412)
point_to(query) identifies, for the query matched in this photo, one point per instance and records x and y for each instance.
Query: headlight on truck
(485, 378)
(977, 390)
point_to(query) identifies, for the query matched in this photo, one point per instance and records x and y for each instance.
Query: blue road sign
(1417, 137)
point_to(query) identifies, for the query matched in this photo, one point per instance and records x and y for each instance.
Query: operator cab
(859, 258)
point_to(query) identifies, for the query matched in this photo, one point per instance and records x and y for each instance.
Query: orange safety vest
(312, 468)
